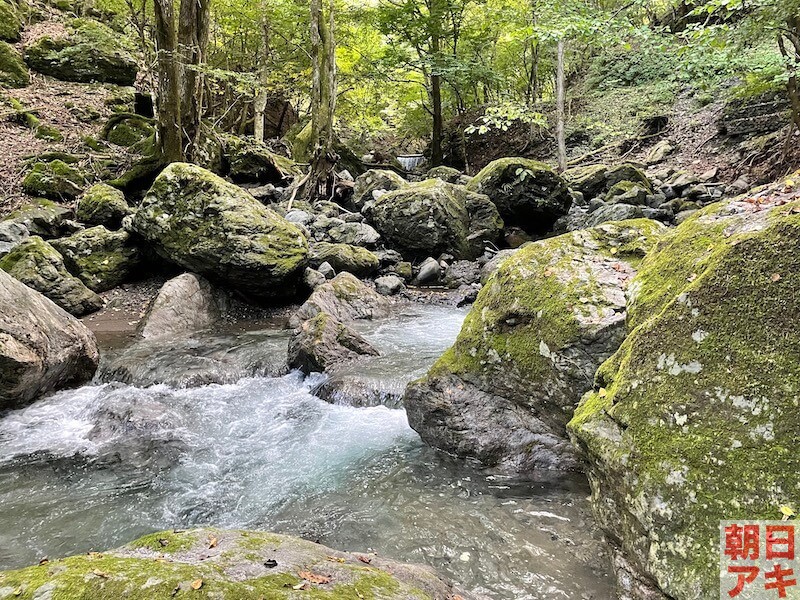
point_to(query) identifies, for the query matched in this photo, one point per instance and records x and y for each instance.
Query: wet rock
(344, 298)
(694, 418)
(545, 320)
(527, 193)
(433, 217)
(322, 343)
(184, 304)
(202, 223)
(42, 348)
(343, 257)
(389, 285)
(91, 52)
(100, 258)
(373, 184)
(242, 564)
(38, 265)
(102, 205)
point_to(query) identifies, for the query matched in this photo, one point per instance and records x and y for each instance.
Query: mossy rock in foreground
(528, 349)
(225, 565)
(10, 21)
(55, 179)
(695, 418)
(102, 205)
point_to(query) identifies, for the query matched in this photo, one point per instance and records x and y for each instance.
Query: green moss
(49, 133)
(166, 541)
(126, 129)
(10, 21)
(694, 420)
(102, 205)
(54, 179)
(13, 72)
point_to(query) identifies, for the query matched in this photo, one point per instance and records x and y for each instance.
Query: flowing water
(96, 467)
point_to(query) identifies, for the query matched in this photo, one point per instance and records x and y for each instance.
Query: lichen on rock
(545, 320)
(694, 419)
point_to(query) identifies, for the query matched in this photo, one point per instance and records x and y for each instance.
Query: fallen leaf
(18, 591)
(197, 584)
(775, 277)
(364, 559)
(163, 542)
(602, 392)
(787, 512)
(212, 543)
(313, 577)
(303, 585)
(613, 250)
(99, 573)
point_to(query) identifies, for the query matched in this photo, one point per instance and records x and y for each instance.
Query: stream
(98, 466)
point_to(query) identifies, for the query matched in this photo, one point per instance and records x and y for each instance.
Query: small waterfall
(409, 162)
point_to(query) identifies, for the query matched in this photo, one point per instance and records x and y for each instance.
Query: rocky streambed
(98, 466)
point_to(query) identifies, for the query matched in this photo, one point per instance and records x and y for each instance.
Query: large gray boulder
(202, 223)
(434, 217)
(42, 348)
(322, 343)
(215, 563)
(547, 317)
(528, 194)
(184, 304)
(38, 265)
(344, 257)
(694, 419)
(344, 298)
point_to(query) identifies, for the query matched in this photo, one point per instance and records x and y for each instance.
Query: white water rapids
(95, 467)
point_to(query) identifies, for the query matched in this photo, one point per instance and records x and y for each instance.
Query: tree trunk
(320, 181)
(260, 104)
(193, 31)
(791, 55)
(437, 15)
(560, 100)
(169, 105)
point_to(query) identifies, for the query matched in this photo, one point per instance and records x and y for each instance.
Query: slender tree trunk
(320, 182)
(260, 104)
(560, 100)
(437, 15)
(169, 104)
(791, 55)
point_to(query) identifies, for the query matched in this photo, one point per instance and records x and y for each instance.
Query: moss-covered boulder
(322, 343)
(448, 174)
(527, 193)
(41, 217)
(596, 180)
(13, 72)
(100, 258)
(344, 257)
(695, 419)
(38, 265)
(227, 565)
(204, 224)
(627, 192)
(374, 183)
(42, 348)
(344, 298)
(126, 129)
(432, 217)
(253, 162)
(55, 180)
(545, 320)
(91, 52)
(10, 20)
(102, 205)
